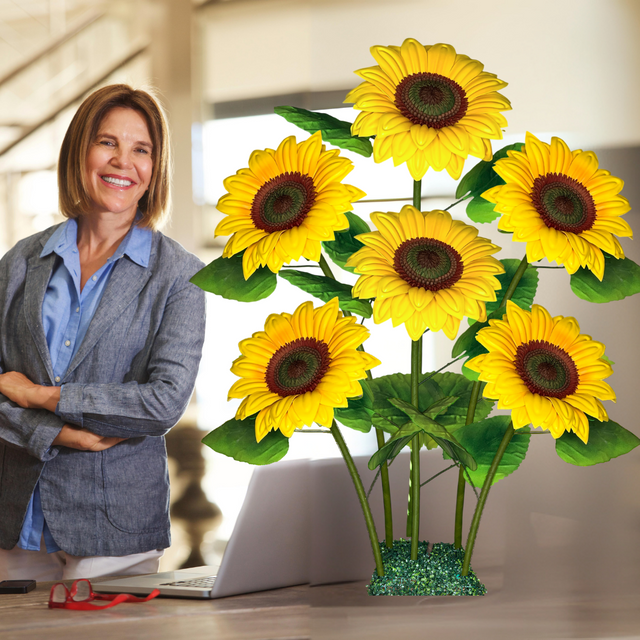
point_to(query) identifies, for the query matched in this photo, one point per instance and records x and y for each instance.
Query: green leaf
(425, 423)
(454, 384)
(481, 211)
(393, 446)
(398, 385)
(440, 406)
(237, 439)
(482, 439)
(439, 434)
(469, 374)
(224, 277)
(482, 176)
(346, 243)
(524, 294)
(467, 343)
(334, 131)
(326, 289)
(621, 279)
(478, 180)
(359, 413)
(607, 440)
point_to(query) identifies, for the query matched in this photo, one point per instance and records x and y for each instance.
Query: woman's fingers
(105, 443)
(17, 388)
(83, 440)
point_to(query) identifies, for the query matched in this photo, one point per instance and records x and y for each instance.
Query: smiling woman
(106, 361)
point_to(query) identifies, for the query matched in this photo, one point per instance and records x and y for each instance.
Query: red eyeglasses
(81, 595)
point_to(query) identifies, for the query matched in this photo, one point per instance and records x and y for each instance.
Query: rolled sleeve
(33, 430)
(70, 404)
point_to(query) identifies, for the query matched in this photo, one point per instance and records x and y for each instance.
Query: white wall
(571, 65)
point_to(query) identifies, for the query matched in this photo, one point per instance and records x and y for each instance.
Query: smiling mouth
(117, 182)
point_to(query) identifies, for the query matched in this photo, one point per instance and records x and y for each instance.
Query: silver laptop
(268, 549)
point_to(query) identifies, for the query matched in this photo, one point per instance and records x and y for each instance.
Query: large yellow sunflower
(285, 203)
(299, 368)
(429, 107)
(559, 203)
(425, 270)
(544, 370)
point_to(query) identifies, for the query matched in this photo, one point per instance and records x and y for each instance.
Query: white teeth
(118, 183)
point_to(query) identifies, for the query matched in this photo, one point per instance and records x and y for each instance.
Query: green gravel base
(432, 574)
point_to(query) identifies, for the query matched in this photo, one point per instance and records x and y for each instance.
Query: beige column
(171, 55)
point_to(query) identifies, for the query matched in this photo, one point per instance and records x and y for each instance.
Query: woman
(100, 339)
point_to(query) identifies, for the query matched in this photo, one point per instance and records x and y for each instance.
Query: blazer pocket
(136, 485)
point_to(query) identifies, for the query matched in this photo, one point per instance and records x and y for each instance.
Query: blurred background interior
(220, 66)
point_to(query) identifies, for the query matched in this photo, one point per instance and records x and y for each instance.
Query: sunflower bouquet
(430, 108)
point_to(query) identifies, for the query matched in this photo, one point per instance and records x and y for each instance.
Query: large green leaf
(478, 180)
(524, 294)
(237, 439)
(394, 445)
(334, 131)
(359, 413)
(346, 243)
(482, 439)
(439, 434)
(224, 277)
(454, 384)
(398, 385)
(621, 279)
(326, 289)
(607, 440)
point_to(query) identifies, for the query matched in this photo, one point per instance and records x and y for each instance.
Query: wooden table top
(278, 614)
(337, 612)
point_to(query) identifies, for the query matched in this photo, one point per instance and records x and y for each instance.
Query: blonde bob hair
(72, 180)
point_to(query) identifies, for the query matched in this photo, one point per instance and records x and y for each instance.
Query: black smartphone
(17, 586)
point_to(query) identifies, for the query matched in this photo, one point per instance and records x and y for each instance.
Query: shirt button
(94, 278)
(57, 378)
(77, 309)
(67, 343)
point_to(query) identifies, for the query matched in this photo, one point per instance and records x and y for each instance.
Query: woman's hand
(83, 440)
(19, 389)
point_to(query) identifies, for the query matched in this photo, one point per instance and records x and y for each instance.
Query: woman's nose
(123, 158)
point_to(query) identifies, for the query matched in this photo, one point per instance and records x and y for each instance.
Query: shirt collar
(136, 244)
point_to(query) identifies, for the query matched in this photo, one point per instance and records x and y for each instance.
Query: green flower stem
(384, 471)
(515, 281)
(453, 204)
(386, 494)
(513, 285)
(414, 482)
(362, 496)
(471, 412)
(326, 269)
(413, 508)
(417, 194)
(475, 523)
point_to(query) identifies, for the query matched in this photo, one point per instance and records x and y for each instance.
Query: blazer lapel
(125, 284)
(38, 276)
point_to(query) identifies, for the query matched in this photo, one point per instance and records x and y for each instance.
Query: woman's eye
(142, 150)
(107, 142)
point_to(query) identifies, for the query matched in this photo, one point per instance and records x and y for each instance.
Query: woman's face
(119, 163)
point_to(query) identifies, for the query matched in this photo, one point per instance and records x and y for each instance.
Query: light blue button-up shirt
(66, 314)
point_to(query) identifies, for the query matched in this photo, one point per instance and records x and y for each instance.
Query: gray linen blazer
(132, 377)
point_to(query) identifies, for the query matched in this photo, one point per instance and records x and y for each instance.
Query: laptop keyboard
(206, 582)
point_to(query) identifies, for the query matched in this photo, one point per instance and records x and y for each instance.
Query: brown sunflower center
(428, 263)
(546, 369)
(563, 203)
(283, 202)
(431, 99)
(297, 367)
